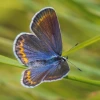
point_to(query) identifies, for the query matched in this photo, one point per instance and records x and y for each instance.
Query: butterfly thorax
(41, 63)
(54, 59)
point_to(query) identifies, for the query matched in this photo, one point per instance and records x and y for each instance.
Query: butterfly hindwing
(34, 76)
(45, 25)
(57, 71)
(44, 73)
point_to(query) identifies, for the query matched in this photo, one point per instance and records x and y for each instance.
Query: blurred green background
(79, 21)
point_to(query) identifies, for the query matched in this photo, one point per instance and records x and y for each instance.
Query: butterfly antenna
(75, 66)
(73, 46)
(69, 61)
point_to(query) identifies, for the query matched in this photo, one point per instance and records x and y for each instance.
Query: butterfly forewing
(45, 25)
(28, 48)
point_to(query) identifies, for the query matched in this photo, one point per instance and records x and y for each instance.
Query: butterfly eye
(63, 59)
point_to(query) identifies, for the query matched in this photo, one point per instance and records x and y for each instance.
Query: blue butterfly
(41, 50)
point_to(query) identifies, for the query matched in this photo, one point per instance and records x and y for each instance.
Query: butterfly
(41, 50)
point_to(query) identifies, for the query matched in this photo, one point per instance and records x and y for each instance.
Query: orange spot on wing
(21, 51)
(40, 20)
(28, 73)
(52, 77)
(28, 78)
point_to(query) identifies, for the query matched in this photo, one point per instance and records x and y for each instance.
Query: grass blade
(88, 81)
(10, 61)
(13, 62)
(82, 45)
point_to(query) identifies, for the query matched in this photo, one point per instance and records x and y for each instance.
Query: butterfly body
(44, 62)
(41, 50)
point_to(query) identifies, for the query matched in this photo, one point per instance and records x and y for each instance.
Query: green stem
(82, 45)
(13, 62)
(10, 61)
(92, 82)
